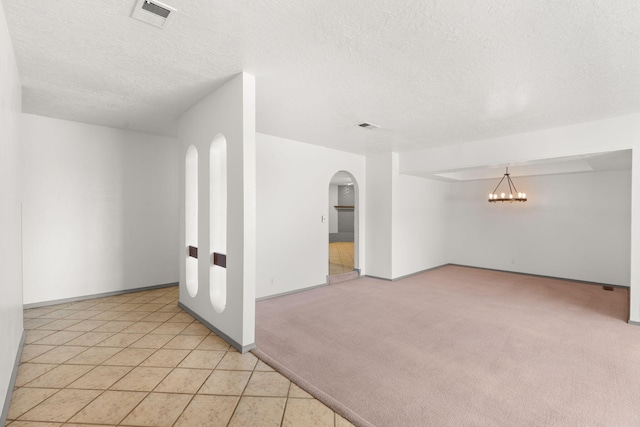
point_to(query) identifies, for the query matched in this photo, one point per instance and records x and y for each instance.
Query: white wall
(574, 226)
(100, 209)
(378, 213)
(419, 218)
(10, 222)
(292, 197)
(333, 212)
(229, 111)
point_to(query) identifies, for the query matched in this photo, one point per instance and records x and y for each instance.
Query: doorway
(343, 231)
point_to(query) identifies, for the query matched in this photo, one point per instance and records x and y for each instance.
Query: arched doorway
(343, 224)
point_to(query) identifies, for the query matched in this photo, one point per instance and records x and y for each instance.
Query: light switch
(324, 218)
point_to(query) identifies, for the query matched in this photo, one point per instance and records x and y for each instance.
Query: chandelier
(511, 196)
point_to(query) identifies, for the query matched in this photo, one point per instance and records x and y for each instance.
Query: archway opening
(343, 224)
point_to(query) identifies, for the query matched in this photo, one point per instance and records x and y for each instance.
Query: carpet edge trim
(323, 397)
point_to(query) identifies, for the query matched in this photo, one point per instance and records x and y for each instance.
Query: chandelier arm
(494, 190)
(515, 190)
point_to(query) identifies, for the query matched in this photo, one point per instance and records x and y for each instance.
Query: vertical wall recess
(218, 222)
(191, 219)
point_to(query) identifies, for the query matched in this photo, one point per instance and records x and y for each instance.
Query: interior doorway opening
(343, 224)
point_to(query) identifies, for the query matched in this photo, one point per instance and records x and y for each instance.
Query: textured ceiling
(429, 72)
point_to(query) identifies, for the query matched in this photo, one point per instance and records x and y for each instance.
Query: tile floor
(340, 257)
(139, 360)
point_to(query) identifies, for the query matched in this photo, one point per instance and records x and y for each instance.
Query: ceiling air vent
(367, 125)
(153, 12)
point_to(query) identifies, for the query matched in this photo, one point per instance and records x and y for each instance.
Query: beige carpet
(459, 346)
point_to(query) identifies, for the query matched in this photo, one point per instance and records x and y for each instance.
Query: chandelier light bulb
(502, 195)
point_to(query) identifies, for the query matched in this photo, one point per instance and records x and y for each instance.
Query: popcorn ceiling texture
(430, 73)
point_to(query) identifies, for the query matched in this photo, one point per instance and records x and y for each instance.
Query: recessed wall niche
(218, 222)
(191, 219)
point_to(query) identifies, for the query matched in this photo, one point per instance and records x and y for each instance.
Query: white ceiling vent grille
(153, 12)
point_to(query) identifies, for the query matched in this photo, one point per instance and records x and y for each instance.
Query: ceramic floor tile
(86, 325)
(59, 338)
(146, 297)
(34, 350)
(307, 413)
(208, 411)
(213, 342)
(100, 378)
(156, 317)
(36, 312)
(120, 340)
(24, 399)
(82, 315)
(166, 358)
(61, 406)
(109, 408)
(130, 357)
(171, 328)
(270, 384)
(261, 366)
(60, 376)
(230, 383)
(341, 422)
(150, 307)
(57, 314)
(60, 324)
(164, 299)
(90, 339)
(35, 323)
(114, 326)
(104, 306)
(183, 381)
(186, 342)
(142, 327)
(34, 424)
(83, 305)
(297, 392)
(59, 354)
(152, 341)
(106, 315)
(202, 359)
(141, 379)
(93, 356)
(134, 316)
(35, 335)
(258, 412)
(30, 371)
(170, 308)
(196, 328)
(182, 317)
(238, 362)
(158, 410)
